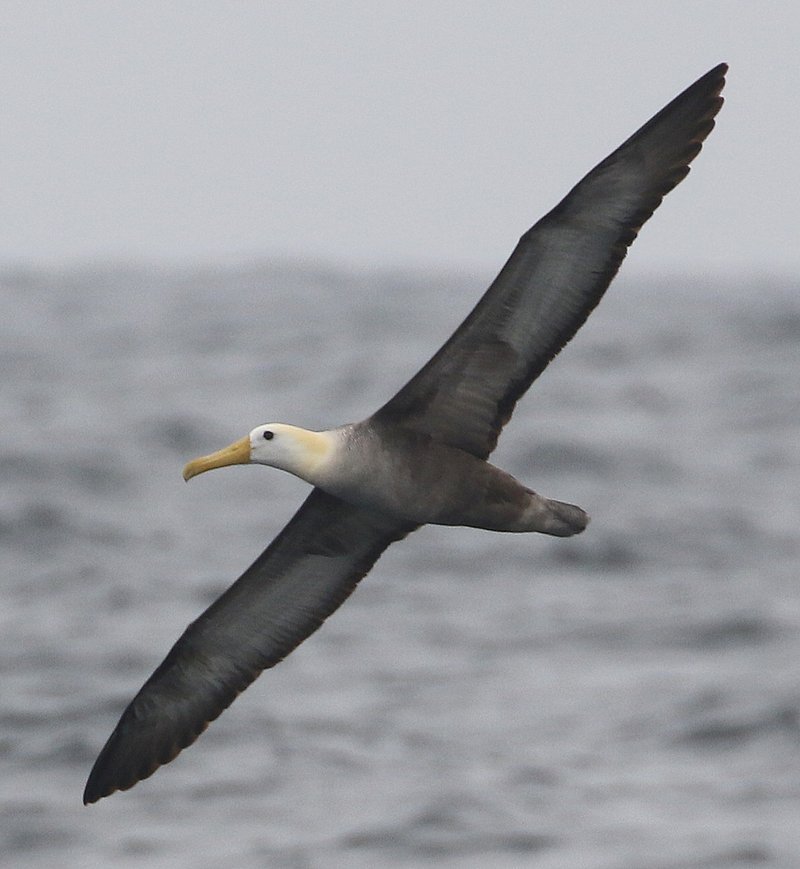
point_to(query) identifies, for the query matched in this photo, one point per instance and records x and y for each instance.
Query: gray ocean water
(626, 699)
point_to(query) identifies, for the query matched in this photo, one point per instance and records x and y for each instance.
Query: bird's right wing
(554, 278)
(309, 570)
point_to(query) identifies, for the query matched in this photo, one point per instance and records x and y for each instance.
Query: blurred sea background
(626, 699)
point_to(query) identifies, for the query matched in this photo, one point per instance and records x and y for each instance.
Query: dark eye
(269, 435)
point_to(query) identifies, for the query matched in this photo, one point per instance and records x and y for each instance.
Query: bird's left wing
(554, 278)
(311, 567)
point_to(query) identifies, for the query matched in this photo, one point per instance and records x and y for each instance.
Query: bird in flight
(421, 458)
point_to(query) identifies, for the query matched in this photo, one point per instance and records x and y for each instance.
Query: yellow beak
(237, 453)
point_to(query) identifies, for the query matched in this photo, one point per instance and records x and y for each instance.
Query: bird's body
(421, 458)
(408, 476)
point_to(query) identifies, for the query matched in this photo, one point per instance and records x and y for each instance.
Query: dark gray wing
(553, 280)
(301, 578)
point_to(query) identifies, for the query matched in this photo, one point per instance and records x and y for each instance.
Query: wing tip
(108, 777)
(114, 770)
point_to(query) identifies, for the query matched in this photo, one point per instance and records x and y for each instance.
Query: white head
(287, 447)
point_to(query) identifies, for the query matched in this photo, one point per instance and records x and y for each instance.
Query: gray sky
(382, 133)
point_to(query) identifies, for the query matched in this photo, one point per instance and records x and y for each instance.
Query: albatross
(421, 458)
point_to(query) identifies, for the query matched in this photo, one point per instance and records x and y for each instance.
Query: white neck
(306, 454)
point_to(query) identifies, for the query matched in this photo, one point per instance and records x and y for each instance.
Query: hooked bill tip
(237, 453)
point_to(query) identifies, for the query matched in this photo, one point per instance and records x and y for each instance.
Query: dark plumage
(457, 403)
